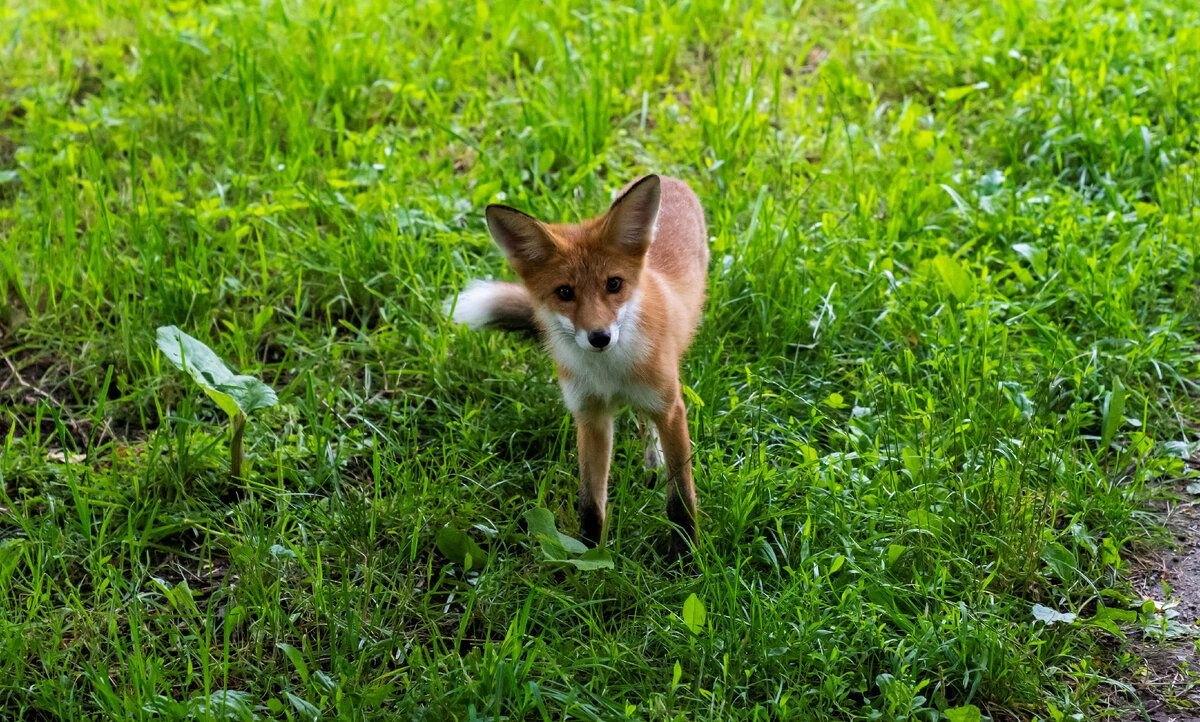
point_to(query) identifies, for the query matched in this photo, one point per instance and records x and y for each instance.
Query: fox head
(583, 278)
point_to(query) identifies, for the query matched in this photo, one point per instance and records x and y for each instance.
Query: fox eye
(614, 284)
(565, 293)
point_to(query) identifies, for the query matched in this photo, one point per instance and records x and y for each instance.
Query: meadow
(945, 374)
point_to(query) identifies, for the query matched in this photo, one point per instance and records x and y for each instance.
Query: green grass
(949, 239)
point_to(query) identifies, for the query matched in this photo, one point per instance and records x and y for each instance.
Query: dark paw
(679, 548)
(681, 516)
(591, 524)
(683, 532)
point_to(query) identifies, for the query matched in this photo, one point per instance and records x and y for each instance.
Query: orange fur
(615, 346)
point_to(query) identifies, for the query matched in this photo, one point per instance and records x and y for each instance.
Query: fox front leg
(595, 439)
(681, 489)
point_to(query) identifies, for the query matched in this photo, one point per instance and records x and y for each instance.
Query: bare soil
(1167, 684)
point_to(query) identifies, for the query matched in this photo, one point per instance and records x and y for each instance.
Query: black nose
(599, 339)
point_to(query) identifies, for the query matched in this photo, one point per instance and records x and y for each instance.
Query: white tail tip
(475, 304)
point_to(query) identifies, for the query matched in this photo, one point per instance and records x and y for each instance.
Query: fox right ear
(521, 236)
(633, 217)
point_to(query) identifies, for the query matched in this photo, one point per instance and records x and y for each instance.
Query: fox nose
(599, 339)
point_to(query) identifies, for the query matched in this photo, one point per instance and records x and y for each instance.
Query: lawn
(945, 371)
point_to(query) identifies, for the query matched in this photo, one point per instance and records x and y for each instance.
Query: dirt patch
(26, 383)
(1168, 684)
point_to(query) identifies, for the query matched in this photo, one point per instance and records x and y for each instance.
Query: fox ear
(633, 217)
(521, 236)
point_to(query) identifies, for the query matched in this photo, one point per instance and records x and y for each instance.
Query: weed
(237, 395)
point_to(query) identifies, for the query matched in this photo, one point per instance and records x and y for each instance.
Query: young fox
(616, 299)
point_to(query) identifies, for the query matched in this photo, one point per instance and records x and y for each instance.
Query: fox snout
(598, 339)
(593, 337)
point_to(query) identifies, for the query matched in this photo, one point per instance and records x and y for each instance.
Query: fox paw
(679, 548)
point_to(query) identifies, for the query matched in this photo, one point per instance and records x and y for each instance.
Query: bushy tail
(494, 304)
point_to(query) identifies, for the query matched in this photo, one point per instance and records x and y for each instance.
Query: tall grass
(947, 357)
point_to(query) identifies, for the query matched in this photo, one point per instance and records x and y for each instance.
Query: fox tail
(493, 304)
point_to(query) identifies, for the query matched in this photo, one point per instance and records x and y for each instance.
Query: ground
(1166, 685)
(942, 400)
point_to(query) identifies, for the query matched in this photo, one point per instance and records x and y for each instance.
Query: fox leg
(651, 442)
(595, 439)
(681, 490)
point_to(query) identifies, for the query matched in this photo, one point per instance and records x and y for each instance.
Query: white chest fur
(601, 378)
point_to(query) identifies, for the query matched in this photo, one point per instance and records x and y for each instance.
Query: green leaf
(1110, 553)
(1016, 394)
(455, 545)
(297, 660)
(1114, 409)
(1034, 255)
(913, 463)
(485, 192)
(1052, 616)
(304, 709)
(558, 547)
(925, 519)
(694, 614)
(957, 279)
(541, 524)
(180, 596)
(1117, 615)
(1109, 626)
(590, 560)
(966, 713)
(324, 682)
(235, 616)
(232, 392)
(894, 552)
(222, 704)
(961, 91)
(1060, 560)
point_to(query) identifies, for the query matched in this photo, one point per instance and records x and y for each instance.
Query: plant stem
(235, 448)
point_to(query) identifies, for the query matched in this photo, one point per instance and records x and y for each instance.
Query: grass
(947, 358)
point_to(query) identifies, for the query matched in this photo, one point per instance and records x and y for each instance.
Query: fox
(616, 301)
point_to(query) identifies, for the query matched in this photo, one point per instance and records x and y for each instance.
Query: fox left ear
(633, 217)
(522, 237)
